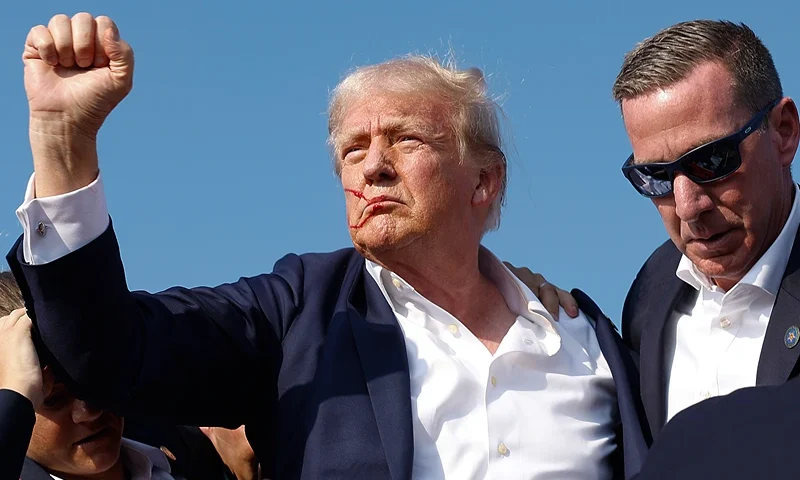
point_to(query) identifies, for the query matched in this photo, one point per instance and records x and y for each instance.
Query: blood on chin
(373, 210)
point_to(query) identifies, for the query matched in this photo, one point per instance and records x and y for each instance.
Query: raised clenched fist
(76, 71)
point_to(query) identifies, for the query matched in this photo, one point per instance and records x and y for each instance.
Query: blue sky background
(216, 165)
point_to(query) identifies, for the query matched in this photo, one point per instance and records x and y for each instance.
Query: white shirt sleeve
(55, 226)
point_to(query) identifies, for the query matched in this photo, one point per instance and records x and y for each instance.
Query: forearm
(182, 354)
(16, 425)
(64, 155)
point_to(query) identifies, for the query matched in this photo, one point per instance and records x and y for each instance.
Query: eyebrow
(389, 126)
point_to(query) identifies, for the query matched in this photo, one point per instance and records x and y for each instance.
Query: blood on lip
(370, 201)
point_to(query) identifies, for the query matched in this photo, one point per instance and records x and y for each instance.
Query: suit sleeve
(201, 356)
(16, 425)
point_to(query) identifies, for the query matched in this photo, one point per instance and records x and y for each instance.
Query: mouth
(380, 201)
(101, 435)
(713, 242)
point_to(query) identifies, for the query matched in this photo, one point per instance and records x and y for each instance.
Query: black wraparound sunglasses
(705, 164)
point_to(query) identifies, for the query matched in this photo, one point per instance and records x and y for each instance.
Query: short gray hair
(672, 54)
(475, 115)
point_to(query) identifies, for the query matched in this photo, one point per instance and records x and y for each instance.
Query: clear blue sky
(216, 165)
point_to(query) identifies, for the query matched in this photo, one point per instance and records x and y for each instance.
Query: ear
(785, 123)
(490, 181)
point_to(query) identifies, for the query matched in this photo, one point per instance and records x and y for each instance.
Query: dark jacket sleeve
(16, 425)
(201, 356)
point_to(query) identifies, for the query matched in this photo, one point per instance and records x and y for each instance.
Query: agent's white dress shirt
(714, 339)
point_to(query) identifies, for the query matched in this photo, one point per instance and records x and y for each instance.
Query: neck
(449, 277)
(117, 472)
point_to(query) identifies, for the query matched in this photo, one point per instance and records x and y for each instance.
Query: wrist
(64, 155)
(28, 391)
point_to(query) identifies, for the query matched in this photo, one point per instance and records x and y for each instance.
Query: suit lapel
(652, 351)
(33, 471)
(381, 348)
(632, 444)
(777, 361)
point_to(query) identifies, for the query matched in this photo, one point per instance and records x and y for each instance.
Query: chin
(727, 266)
(380, 235)
(99, 460)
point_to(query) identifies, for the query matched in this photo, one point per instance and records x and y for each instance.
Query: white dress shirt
(543, 406)
(714, 339)
(142, 462)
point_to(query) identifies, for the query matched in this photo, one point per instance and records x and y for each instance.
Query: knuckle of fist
(60, 18)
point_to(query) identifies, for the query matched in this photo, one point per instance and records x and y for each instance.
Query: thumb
(119, 53)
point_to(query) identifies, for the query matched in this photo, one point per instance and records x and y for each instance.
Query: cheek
(352, 188)
(666, 209)
(50, 440)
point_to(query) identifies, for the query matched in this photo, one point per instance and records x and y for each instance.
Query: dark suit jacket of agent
(16, 424)
(748, 434)
(650, 304)
(310, 358)
(190, 453)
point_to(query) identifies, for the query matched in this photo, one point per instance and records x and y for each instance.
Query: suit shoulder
(319, 267)
(311, 273)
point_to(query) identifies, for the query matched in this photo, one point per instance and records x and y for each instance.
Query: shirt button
(724, 322)
(494, 381)
(396, 283)
(528, 341)
(453, 329)
(502, 449)
(41, 229)
(705, 393)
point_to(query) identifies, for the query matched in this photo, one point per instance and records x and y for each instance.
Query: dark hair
(10, 296)
(672, 54)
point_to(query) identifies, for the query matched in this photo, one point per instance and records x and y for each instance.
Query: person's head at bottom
(71, 438)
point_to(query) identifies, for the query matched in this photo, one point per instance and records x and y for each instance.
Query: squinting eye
(349, 152)
(407, 138)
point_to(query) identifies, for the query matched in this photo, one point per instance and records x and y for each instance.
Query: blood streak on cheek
(356, 193)
(375, 207)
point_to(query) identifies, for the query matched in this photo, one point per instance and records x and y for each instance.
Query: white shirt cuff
(55, 226)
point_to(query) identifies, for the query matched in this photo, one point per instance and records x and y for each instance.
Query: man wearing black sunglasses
(716, 308)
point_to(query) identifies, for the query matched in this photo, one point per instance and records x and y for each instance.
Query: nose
(84, 412)
(691, 199)
(378, 166)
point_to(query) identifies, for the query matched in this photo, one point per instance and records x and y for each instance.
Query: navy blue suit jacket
(16, 425)
(310, 357)
(750, 433)
(649, 306)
